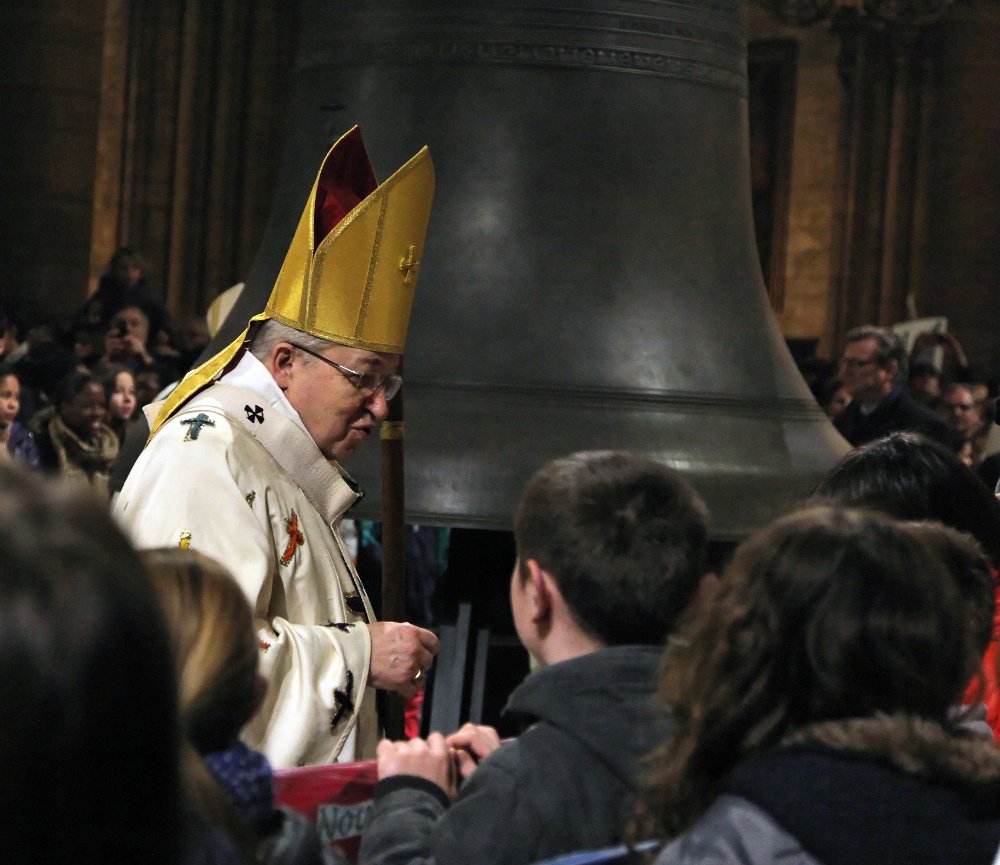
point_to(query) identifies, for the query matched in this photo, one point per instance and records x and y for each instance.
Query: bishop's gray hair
(272, 332)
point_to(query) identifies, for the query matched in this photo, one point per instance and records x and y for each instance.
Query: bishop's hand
(401, 654)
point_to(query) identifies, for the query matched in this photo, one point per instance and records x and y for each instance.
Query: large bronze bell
(590, 279)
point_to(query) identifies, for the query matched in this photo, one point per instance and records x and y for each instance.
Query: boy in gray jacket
(610, 552)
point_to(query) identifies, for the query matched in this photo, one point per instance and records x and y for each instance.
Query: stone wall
(814, 202)
(959, 266)
(160, 124)
(50, 73)
(950, 261)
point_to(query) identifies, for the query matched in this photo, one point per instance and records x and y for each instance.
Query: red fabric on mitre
(346, 180)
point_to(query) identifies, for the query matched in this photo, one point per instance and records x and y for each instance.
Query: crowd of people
(877, 387)
(68, 395)
(828, 696)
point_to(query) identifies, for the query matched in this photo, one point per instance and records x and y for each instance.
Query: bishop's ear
(279, 363)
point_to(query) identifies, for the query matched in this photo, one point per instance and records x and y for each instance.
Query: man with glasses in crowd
(244, 460)
(871, 368)
(960, 411)
(963, 415)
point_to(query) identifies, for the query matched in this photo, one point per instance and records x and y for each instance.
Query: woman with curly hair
(813, 700)
(911, 477)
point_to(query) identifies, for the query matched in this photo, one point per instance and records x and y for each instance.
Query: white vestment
(236, 476)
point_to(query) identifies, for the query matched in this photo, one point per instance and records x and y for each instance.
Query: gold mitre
(355, 286)
(351, 268)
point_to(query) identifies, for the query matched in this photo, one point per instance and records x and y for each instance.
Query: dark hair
(126, 253)
(92, 336)
(128, 306)
(88, 735)
(69, 386)
(153, 368)
(825, 614)
(889, 347)
(970, 568)
(911, 477)
(106, 375)
(623, 536)
(826, 393)
(924, 368)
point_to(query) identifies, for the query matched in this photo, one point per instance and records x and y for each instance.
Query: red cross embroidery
(295, 538)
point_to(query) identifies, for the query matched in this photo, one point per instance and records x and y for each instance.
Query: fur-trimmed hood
(880, 790)
(917, 746)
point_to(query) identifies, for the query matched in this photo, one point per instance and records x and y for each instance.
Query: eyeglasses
(854, 363)
(367, 383)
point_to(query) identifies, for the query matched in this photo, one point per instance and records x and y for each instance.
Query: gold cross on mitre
(407, 264)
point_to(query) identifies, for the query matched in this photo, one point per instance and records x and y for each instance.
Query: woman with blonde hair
(813, 700)
(215, 648)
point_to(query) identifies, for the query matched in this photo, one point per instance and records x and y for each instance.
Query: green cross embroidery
(195, 424)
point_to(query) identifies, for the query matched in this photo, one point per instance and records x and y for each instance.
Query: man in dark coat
(610, 552)
(872, 367)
